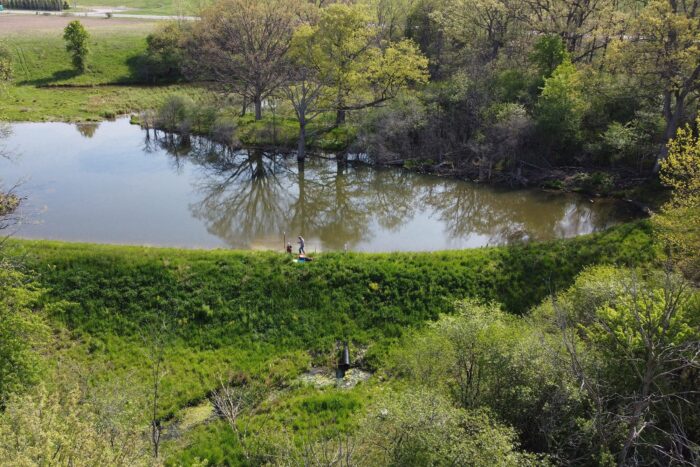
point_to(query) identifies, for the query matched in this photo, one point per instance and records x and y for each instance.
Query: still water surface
(108, 183)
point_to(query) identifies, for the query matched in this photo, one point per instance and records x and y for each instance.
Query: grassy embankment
(45, 88)
(264, 316)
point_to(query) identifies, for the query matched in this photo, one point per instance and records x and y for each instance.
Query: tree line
(48, 5)
(492, 87)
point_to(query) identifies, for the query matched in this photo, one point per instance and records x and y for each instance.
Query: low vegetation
(255, 316)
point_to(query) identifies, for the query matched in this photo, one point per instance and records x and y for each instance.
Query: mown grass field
(45, 88)
(260, 314)
(147, 7)
(41, 59)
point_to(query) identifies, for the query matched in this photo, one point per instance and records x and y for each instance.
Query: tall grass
(225, 297)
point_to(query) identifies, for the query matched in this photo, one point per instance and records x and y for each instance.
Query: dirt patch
(323, 377)
(22, 24)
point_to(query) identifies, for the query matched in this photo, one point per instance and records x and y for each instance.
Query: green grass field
(262, 315)
(41, 59)
(26, 103)
(147, 7)
(45, 88)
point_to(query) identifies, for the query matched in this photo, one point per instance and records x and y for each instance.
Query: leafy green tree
(424, 30)
(547, 54)
(662, 51)
(307, 90)
(420, 427)
(480, 27)
(633, 339)
(342, 65)
(165, 53)
(681, 170)
(242, 44)
(362, 70)
(76, 37)
(561, 106)
(585, 27)
(679, 221)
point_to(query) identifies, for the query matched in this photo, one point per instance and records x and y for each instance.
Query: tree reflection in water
(506, 216)
(87, 129)
(250, 197)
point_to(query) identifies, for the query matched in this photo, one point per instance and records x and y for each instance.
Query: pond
(109, 183)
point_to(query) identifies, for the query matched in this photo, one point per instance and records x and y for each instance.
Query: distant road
(23, 24)
(101, 14)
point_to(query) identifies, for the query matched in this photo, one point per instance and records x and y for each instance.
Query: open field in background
(146, 7)
(45, 87)
(138, 7)
(40, 58)
(31, 25)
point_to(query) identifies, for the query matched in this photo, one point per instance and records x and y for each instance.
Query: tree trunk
(258, 108)
(340, 117)
(301, 209)
(244, 107)
(672, 115)
(301, 148)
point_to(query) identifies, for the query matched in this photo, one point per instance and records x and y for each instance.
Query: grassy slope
(259, 313)
(254, 299)
(46, 89)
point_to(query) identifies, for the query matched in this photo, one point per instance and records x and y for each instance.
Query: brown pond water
(107, 183)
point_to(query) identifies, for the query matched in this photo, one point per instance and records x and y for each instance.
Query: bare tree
(305, 93)
(341, 450)
(156, 338)
(241, 44)
(234, 399)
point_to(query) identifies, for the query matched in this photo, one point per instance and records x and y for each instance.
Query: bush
(483, 358)
(560, 108)
(164, 56)
(420, 427)
(174, 115)
(390, 133)
(595, 182)
(76, 38)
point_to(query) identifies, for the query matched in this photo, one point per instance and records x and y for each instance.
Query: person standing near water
(301, 245)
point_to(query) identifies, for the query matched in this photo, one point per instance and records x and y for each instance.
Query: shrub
(560, 107)
(76, 38)
(420, 427)
(175, 114)
(164, 54)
